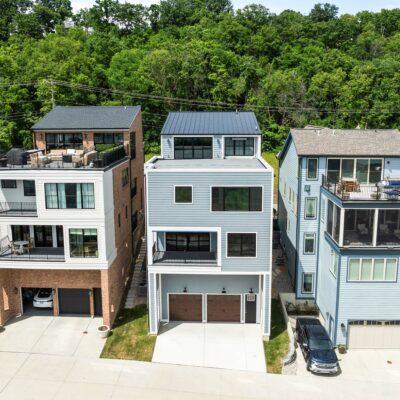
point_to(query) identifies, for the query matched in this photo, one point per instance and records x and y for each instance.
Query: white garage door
(374, 335)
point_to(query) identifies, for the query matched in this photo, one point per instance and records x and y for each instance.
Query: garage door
(74, 301)
(384, 335)
(223, 308)
(186, 307)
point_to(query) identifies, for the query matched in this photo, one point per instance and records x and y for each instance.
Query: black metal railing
(354, 191)
(22, 253)
(185, 257)
(17, 208)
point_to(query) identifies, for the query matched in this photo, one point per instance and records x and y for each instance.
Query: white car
(43, 299)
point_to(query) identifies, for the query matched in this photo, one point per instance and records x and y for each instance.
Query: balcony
(351, 190)
(18, 209)
(184, 257)
(35, 254)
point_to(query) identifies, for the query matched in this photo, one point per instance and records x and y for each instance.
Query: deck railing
(185, 257)
(14, 253)
(17, 208)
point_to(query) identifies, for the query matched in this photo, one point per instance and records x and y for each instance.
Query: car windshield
(320, 344)
(44, 293)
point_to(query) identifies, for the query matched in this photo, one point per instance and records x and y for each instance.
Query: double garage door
(77, 301)
(374, 335)
(219, 308)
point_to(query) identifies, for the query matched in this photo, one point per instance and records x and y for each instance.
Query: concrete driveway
(217, 345)
(46, 334)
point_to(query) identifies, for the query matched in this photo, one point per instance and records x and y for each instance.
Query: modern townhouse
(71, 212)
(339, 216)
(209, 221)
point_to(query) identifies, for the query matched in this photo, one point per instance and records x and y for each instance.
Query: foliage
(291, 69)
(271, 159)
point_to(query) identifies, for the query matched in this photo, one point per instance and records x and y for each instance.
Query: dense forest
(291, 69)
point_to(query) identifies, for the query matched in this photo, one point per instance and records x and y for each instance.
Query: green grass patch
(277, 347)
(148, 156)
(271, 159)
(129, 339)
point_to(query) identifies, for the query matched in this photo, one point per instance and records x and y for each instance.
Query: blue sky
(304, 6)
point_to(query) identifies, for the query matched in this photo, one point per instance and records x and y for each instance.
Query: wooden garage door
(374, 336)
(223, 308)
(186, 307)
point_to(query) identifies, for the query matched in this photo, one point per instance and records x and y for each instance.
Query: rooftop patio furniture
(362, 229)
(384, 228)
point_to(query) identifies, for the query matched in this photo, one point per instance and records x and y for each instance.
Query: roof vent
(256, 128)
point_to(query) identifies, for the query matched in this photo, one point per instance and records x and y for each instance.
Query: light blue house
(339, 216)
(209, 221)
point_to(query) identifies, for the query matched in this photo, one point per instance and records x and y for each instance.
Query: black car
(316, 346)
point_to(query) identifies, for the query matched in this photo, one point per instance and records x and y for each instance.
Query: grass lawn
(277, 347)
(271, 159)
(129, 339)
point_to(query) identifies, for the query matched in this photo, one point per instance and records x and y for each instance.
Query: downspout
(299, 169)
(337, 298)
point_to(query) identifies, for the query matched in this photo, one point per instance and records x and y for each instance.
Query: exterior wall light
(251, 290)
(223, 290)
(185, 289)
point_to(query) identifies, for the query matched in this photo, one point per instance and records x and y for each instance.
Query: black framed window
(29, 188)
(307, 283)
(63, 141)
(134, 221)
(193, 148)
(183, 194)
(69, 195)
(237, 198)
(187, 241)
(239, 146)
(83, 243)
(8, 184)
(242, 245)
(309, 243)
(134, 187)
(108, 138)
(125, 176)
(20, 232)
(312, 169)
(132, 144)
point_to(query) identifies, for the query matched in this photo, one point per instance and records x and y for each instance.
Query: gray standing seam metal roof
(225, 164)
(88, 117)
(211, 123)
(317, 141)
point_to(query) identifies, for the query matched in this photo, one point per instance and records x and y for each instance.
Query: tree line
(291, 69)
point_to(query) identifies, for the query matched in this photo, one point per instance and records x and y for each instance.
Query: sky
(276, 6)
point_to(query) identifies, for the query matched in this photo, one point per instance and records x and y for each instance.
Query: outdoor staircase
(137, 293)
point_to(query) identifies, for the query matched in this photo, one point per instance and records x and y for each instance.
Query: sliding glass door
(363, 170)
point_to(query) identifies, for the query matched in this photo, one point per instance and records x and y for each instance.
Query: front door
(251, 308)
(43, 236)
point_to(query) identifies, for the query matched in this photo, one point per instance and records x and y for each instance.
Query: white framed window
(309, 243)
(372, 270)
(312, 169)
(333, 264)
(310, 208)
(183, 194)
(307, 284)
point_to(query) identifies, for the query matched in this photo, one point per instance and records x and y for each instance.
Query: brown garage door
(186, 307)
(223, 308)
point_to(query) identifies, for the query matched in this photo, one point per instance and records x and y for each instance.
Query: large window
(193, 148)
(69, 195)
(242, 245)
(29, 188)
(237, 199)
(187, 241)
(372, 269)
(312, 169)
(108, 138)
(307, 283)
(309, 243)
(83, 243)
(362, 170)
(388, 228)
(310, 208)
(8, 184)
(333, 221)
(183, 194)
(239, 146)
(20, 232)
(358, 227)
(63, 141)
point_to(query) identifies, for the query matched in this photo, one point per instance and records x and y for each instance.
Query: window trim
(244, 138)
(305, 208)
(359, 280)
(181, 203)
(83, 229)
(307, 169)
(312, 283)
(304, 243)
(238, 186)
(240, 257)
(193, 137)
(74, 183)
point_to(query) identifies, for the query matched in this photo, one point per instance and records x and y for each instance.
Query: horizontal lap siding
(163, 211)
(392, 168)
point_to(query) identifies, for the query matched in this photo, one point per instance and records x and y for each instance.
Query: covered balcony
(18, 198)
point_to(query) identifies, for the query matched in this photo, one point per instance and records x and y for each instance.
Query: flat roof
(230, 164)
(211, 123)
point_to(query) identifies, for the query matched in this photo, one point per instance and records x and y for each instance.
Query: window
(183, 194)
(193, 148)
(372, 269)
(134, 187)
(63, 141)
(239, 146)
(309, 243)
(20, 232)
(187, 241)
(8, 184)
(237, 199)
(310, 211)
(312, 169)
(307, 284)
(125, 176)
(119, 220)
(83, 243)
(29, 188)
(132, 144)
(134, 221)
(241, 244)
(108, 138)
(334, 263)
(69, 195)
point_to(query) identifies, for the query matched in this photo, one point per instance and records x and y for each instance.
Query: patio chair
(384, 228)
(362, 229)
